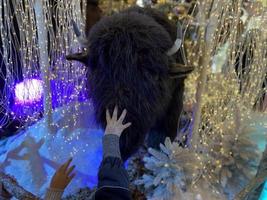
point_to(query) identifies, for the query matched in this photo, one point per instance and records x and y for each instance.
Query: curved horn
(175, 47)
(178, 42)
(80, 57)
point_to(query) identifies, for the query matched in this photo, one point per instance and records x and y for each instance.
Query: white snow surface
(33, 155)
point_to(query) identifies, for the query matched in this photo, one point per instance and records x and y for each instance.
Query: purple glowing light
(29, 91)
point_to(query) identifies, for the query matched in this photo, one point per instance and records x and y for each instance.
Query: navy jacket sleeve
(113, 181)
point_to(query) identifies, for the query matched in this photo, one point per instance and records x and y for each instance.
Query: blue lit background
(264, 193)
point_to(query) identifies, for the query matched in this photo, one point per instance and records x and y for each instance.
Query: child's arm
(60, 181)
(113, 181)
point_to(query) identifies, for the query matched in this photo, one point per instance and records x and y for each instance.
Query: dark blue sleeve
(113, 181)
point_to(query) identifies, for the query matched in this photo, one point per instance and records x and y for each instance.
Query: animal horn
(80, 57)
(178, 42)
(175, 47)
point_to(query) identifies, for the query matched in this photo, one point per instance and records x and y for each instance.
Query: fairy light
(220, 96)
(65, 77)
(29, 90)
(223, 94)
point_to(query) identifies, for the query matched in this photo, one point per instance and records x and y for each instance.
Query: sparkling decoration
(43, 43)
(222, 96)
(29, 91)
(216, 155)
(169, 171)
(33, 156)
(13, 188)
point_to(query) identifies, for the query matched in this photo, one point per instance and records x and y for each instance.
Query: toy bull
(134, 62)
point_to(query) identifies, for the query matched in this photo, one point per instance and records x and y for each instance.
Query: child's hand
(114, 125)
(3, 193)
(63, 176)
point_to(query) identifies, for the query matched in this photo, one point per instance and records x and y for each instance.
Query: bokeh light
(29, 91)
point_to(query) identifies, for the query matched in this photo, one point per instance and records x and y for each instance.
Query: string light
(223, 93)
(222, 126)
(67, 79)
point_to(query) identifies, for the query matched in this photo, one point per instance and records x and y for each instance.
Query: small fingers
(127, 125)
(115, 114)
(66, 165)
(108, 118)
(71, 176)
(70, 170)
(61, 167)
(123, 115)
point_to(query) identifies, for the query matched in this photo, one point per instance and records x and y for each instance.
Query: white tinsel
(170, 171)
